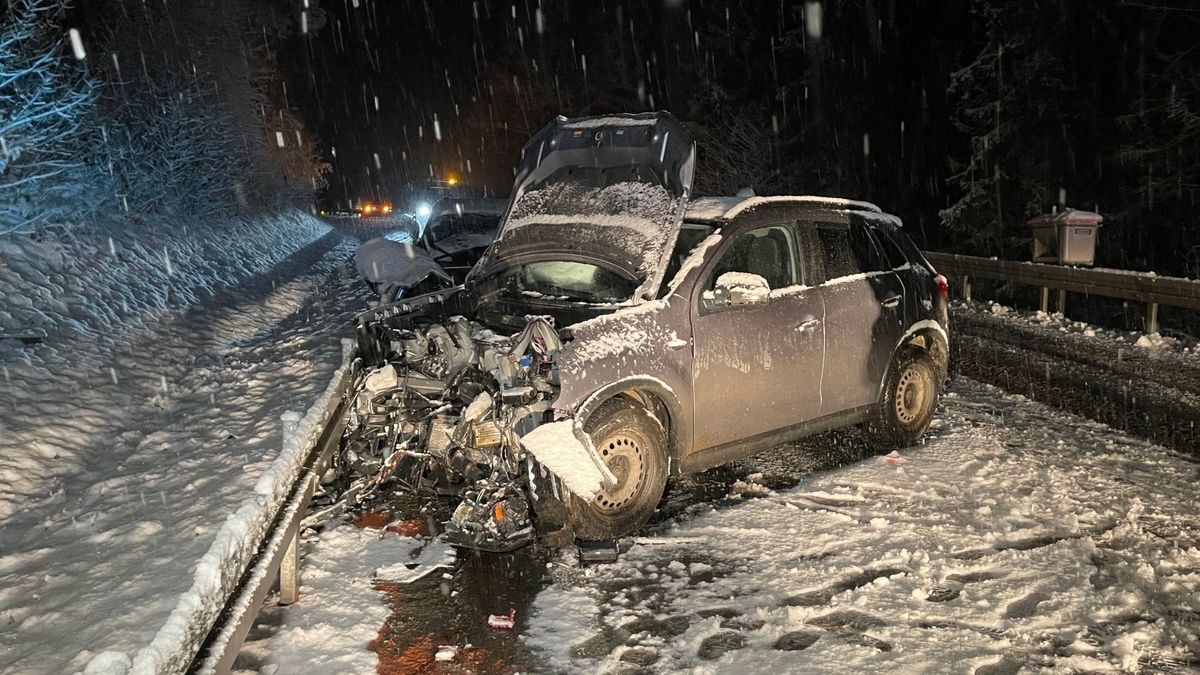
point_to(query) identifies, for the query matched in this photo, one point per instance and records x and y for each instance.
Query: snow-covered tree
(46, 99)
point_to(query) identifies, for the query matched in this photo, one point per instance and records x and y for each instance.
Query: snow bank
(102, 283)
(123, 451)
(218, 572)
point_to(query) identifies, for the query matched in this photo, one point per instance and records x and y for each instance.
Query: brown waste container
(1067, 237)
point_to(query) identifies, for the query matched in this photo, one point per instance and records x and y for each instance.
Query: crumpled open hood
(611, 188)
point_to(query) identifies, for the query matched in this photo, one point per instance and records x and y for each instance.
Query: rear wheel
(909, 400)
(634, 447)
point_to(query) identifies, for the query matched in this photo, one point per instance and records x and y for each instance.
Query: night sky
(405, 90)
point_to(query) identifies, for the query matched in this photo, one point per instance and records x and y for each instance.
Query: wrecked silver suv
(617, 332)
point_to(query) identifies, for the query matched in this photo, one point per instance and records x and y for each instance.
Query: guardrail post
(966, 287)
(1151, 318)
(289, 571)
(289, 566)
(1062, 301)
(1045, 300)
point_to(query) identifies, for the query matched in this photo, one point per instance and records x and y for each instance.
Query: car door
(757, 367)
(864, 315)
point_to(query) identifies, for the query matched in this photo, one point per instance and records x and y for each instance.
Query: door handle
(891, 301)
(805, 326)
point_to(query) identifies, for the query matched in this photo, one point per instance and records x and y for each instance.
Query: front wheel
(909, 399)
(634, 447)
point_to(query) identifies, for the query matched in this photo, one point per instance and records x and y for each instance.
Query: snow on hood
(638, 221)
(611, 187)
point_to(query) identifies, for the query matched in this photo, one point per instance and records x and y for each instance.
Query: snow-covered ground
(145, 419)
(1017, 536)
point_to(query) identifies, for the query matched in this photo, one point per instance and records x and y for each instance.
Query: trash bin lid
(1068, 217)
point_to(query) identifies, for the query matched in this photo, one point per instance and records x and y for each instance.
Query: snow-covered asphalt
(121, 461)
(1017, 536)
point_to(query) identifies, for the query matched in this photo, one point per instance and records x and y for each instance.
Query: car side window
(853, 249)
(840, 260)
(891, 251)
(865, 246)
(769, 252)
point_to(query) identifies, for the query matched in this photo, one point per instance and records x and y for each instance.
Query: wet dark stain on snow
(435, 611)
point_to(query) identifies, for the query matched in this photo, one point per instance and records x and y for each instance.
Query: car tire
(634, 446)
(907, 403)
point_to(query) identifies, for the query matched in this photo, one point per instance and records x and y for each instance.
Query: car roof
(493, 207)
(726, 208)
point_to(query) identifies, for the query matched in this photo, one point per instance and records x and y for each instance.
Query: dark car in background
(412, 259)
(459, 230)
(617, 332)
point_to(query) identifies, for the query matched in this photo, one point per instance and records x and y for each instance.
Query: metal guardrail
(1121, 284)
(278, 554)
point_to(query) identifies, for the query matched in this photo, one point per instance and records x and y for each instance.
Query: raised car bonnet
(613, 188)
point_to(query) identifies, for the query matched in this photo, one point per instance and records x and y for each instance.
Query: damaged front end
(443, 412)
(459, 390)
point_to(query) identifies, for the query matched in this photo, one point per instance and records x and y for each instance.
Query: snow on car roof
(609, 121)
(712, 208)
(462, 205)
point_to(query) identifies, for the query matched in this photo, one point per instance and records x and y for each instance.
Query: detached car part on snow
(616, 332)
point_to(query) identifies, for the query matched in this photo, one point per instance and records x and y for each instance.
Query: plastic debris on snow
(434, 555)
(557, 447)
(892, 457)
(503, 621)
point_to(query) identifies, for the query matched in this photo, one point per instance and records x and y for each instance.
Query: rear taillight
(943, 287)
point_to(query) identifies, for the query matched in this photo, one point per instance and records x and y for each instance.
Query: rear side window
(895, 256)
(853, 250)
(840, 261)
(870, 255)
(910, 249)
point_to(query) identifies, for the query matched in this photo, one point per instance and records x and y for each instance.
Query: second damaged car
(618, 332)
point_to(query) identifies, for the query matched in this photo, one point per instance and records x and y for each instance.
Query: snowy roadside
(1017, 536)
(1150, 388)
(95, 286)
(124, 455)
(1187, 349)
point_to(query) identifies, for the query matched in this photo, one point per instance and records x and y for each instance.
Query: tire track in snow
(1032, 496)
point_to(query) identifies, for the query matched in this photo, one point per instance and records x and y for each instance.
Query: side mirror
(738, 288)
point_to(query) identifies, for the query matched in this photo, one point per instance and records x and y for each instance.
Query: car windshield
(566, 280)
(690, 236)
